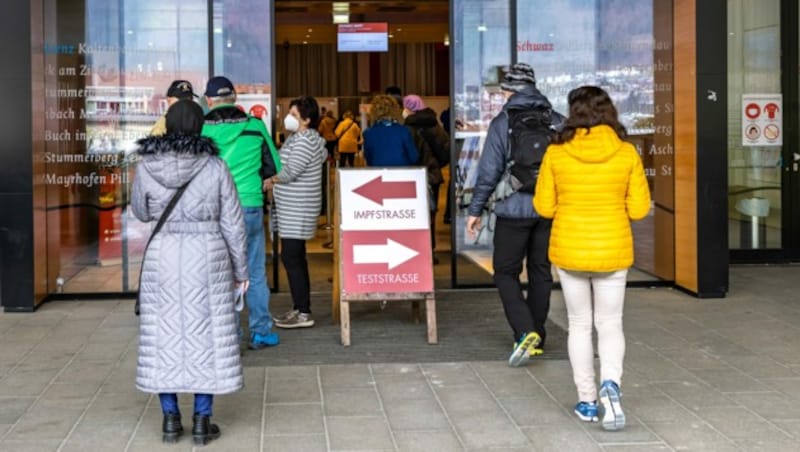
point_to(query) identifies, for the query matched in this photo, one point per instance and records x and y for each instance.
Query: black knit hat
(185, 117)
(517, 77)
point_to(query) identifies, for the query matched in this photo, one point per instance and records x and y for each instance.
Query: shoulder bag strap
(159, 225)
(338, 137)
(167, 211)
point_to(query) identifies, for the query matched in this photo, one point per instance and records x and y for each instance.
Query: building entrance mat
(472, 327)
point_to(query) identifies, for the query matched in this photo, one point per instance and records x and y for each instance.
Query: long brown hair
(590, 106)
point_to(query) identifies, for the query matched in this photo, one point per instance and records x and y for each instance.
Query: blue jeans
(257, 297)
(202, 403)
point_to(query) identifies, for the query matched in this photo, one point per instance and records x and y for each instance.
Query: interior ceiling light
(482, 27)
(341, 12)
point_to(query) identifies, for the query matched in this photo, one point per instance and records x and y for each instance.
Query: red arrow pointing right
(377, 190)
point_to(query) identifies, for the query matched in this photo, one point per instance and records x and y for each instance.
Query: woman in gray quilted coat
(192, 269)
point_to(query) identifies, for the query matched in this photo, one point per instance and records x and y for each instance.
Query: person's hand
(473, 225)
(268, 184)
(242, 286)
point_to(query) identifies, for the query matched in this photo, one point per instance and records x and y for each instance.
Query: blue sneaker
(520, 355)
(259, 341)
(587, 411)
(613, 417)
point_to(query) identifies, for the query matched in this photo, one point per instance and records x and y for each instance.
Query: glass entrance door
(763, 155)
(107, 66)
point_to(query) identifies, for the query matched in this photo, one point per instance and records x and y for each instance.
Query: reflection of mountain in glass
(608, 43)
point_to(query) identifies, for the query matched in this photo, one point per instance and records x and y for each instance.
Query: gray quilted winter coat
(188, 338)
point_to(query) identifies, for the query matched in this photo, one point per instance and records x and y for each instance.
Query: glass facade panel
(481, 46)
(611, 44)
(108, 66)
(624, 46)
(754, 160)
(243, 52)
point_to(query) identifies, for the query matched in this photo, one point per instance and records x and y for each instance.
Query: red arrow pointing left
(377, 190)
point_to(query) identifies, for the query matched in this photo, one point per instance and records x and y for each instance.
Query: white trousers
(608, 301)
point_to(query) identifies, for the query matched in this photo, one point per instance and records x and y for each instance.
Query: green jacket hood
(224, 124)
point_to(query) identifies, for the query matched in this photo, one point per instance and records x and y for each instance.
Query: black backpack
(530, 131)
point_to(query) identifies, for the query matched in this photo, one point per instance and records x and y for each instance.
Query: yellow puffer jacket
(592, 186)
(349, 136)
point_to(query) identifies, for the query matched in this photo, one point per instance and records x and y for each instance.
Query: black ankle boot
(203, 431)
(172, 428)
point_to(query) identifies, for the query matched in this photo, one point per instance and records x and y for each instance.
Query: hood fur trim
(177, 143)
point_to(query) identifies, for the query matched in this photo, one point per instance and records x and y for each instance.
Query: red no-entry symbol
(752, 110)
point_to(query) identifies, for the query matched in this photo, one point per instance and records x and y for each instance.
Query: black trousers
(347, 159)
(515, 240)
(324, 206)
(449, 201)
(293, 255)
(434, 206)
(331, 147)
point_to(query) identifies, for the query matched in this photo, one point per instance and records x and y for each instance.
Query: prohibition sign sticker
(772, 132)
(752, 110)
(753, 132)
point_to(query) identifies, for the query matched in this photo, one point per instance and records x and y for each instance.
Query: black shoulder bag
(339, 137)
(161, 221)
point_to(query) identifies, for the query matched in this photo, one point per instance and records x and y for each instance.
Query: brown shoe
(300, 320)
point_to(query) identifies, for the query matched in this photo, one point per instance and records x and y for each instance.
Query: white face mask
(291, 123)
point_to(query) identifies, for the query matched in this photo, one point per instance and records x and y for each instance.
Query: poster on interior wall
(258, 105)
(762, 120)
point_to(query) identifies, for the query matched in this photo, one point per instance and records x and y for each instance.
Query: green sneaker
(523, 348)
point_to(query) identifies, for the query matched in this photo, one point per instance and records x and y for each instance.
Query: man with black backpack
(246, 147)
(515, 144)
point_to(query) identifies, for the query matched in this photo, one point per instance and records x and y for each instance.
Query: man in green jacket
(246, 147)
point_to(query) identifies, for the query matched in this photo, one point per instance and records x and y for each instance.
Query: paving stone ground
(712, 375)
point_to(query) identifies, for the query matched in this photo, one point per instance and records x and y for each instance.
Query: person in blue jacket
(388, 142)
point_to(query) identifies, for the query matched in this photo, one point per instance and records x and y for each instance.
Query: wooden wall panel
(685, 145)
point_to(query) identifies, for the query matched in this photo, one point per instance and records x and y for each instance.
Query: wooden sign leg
(344, 317)
(416, 316)
(430, 314)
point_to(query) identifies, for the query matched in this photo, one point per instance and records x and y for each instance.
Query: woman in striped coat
(297, 189)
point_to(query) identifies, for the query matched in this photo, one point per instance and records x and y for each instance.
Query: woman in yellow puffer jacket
(349, 134)
(592, 184)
